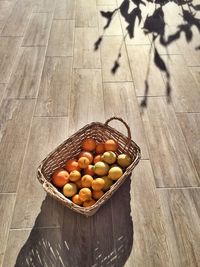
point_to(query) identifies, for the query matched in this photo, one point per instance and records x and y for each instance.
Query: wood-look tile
(15, 121)
(8, 50)
(111, 47)
(5, 11)
(1, 26)
(114, 27)
(141, 63)
(7, 202)
(25, 78)
(189, 49)
(170, 49)
(65, 9)
(120, 101)
(149, 246)
(196, 74)
(37, 33)
(170, 158)
(86, 13)
(46, 134)
(38, 247)
(182, 84)
(18, 20)
(139, 38)
(181, 209)
(44, 5)
(61, 38)
(79, 227)
(2, 90)
(190, 124)
(86, 83)
(55, 87)
(106, 2)
(172, 14)
(84, 54)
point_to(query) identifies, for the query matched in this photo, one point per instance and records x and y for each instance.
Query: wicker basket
(71, 149)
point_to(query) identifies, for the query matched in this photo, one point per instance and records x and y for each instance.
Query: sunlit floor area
(67, 63)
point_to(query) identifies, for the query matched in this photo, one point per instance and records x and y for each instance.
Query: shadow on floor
(154, 25)
(105, 239)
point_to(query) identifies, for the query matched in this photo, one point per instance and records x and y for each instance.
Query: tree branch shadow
(154, 26)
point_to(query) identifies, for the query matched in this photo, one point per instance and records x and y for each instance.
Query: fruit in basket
(101, 168)
(72, 165)
(109, 157)
(76, 200)
(70, 189)
(87, 155)
(98, 184)
(124, 160)
(97, 194)
(85, 194)
(86, 181)
(115, 173)
(89, 144)
(97, 158)
(78, 183)
(111, 145)
(83, 162)
(108, 183)
(100, 149)
(89, 170)
(89, 203)
(74, 176)
(60, 177)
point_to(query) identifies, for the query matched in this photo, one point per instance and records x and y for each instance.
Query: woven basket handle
(125, 124)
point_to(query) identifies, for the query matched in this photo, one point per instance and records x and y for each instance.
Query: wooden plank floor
(65, 63)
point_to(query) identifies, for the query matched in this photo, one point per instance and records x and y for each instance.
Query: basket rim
(83, 128)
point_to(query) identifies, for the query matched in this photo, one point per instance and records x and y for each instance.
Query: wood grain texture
(55, 87)
(86, 83)
(7, 202)
(15, 122)
(5, 11)
(8, 50)
(86, 13)
(120, 101)
(110, 49)
(37, 33)
(181, 211)
(170, 158)
(182, 84)
(61, 38)
(46, 134)
(170, 49)
(84, 54)
(25, 78)
(65, 9)
(39, 247)
(149, 247)
(190, 124)
(196, 74)
(141, 63)
(18, 20)
(44, 5)
(172, 13)
(106, 2)
(190, 49)
(114, 27)
(2, 90)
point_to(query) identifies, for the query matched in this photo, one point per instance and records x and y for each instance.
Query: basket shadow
(105, 239)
